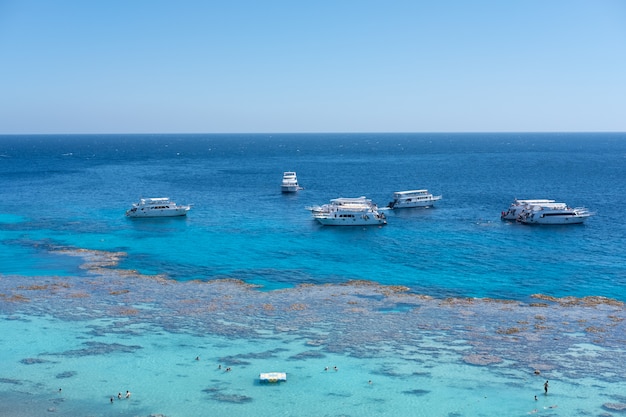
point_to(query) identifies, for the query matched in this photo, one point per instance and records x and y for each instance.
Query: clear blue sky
(151, 66)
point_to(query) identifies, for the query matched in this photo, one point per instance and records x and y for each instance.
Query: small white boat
(413, 198)
(290, 183)
(157, 207)
(273, 377)
(558, 213)
(358, 211)
(518, 206)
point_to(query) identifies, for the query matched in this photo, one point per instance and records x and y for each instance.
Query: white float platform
(273, 377)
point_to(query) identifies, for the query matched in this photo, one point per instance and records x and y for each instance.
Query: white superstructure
(518, 206)
(358, 211)
(413, 198)
(543, 211)
(290, 182)
(157, 207)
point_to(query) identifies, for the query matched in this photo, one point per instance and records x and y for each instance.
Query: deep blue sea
(72, 191)
(66, 195)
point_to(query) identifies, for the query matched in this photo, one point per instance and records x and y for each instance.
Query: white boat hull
(415, 204)
(357, 220)
(289, 188)
(180, 211)
(540, 218)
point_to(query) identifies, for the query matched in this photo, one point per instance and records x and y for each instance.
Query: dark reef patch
(231, 398)
(33, 361)
(310, 354)
(10, 381)
(417, 392)
(99, 348)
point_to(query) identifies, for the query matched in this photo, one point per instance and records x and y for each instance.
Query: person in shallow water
(545, 387)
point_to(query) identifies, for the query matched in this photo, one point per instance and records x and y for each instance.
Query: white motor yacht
(413, 198)
(358, 211)
(290, 183)
(157, 207)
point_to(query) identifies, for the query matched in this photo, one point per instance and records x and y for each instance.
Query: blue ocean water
(73, 190)
(96, 303)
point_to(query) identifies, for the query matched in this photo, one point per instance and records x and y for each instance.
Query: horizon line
(321, 133)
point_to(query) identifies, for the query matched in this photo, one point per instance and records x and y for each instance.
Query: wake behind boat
(157, 207)
(342, 211)
(413, 198)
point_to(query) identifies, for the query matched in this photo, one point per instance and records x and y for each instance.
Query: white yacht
(157, 207)
(518, 206)
(290, 182)
(358, 211)
(413, 198)
(555, 213)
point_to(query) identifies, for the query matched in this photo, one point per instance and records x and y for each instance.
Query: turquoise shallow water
(95, 303)
(396, 353)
